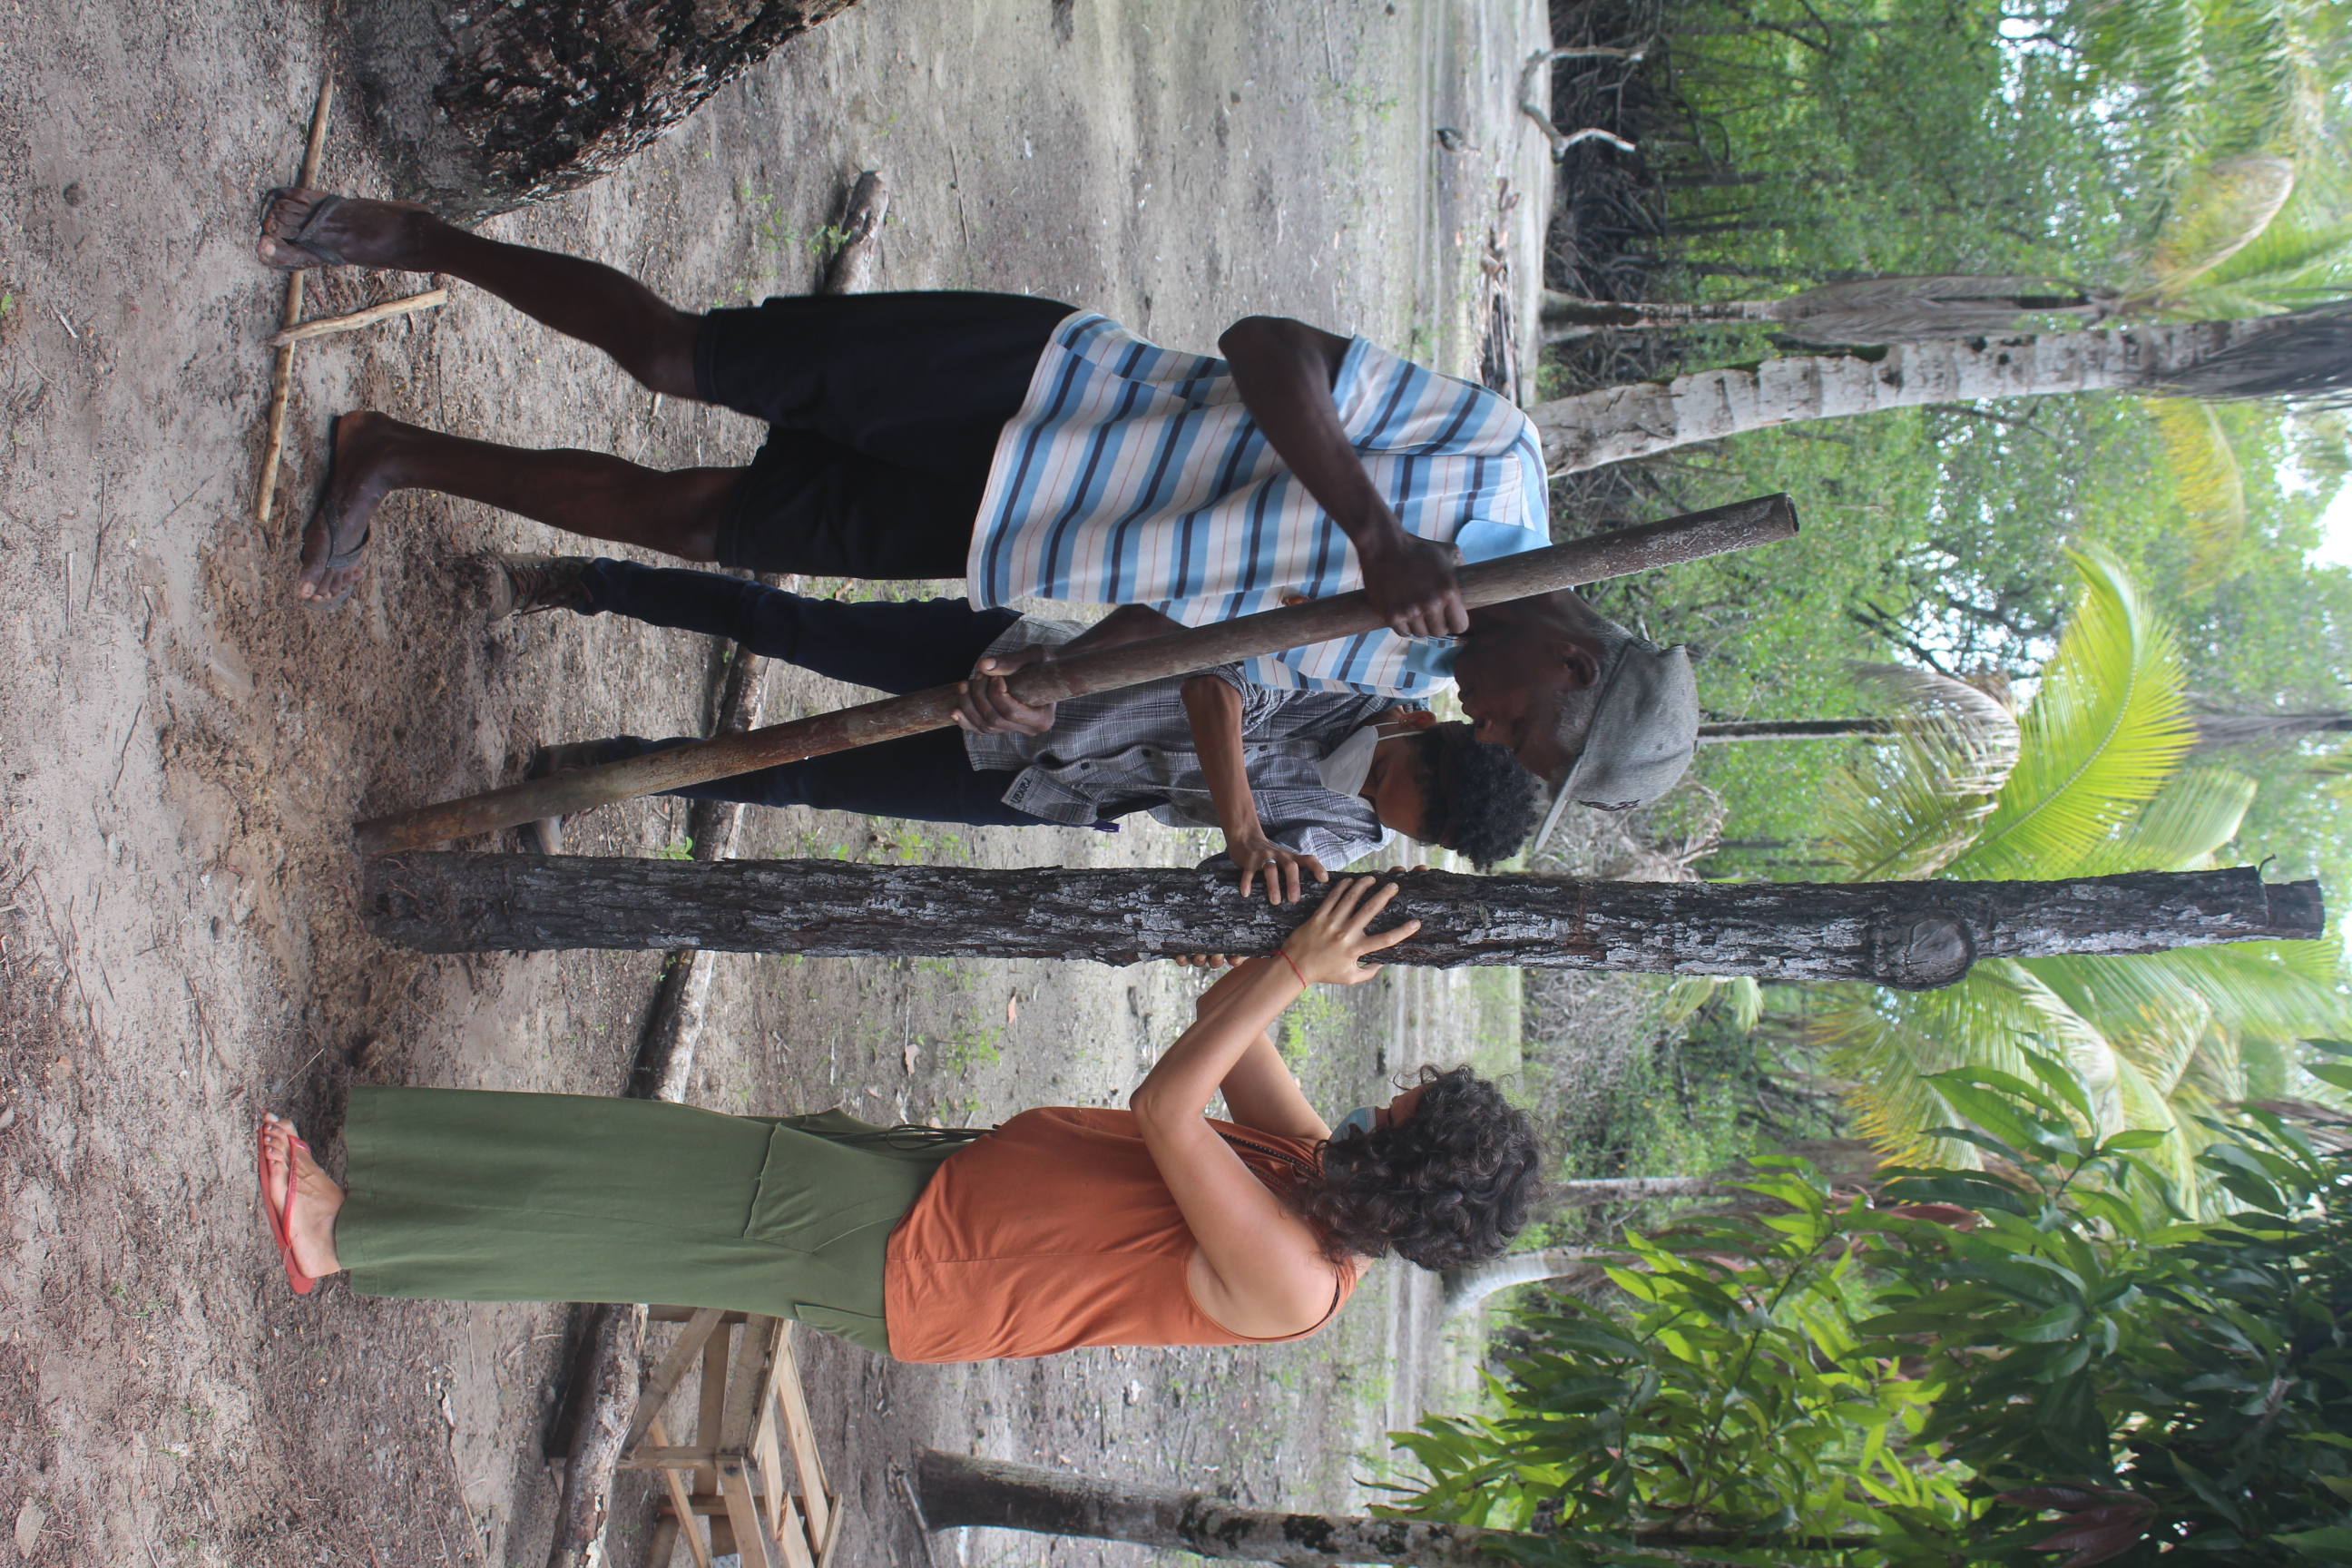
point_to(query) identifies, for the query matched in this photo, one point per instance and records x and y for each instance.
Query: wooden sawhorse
(752, 1412)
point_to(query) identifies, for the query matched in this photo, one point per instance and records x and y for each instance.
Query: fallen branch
(1561, 140)
(281, 375)
(853, 264)
(324, 326)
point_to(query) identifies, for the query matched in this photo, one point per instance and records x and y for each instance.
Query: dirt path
(184, 745)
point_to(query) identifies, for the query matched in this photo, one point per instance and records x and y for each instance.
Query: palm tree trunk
(1466, 1289)
(1907, 934)
(483, 107)
(1616, 424)
(953, 1491)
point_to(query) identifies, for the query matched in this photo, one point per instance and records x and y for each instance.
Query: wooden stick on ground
(281, 377)
(325, 325)
(1739, 526)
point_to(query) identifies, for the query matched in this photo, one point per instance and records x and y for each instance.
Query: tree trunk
(480, 106)
(1909, 934)
(608, 1390)
(1467, 1289)
(952, 1491)
(1618, 423)
(2215, 731)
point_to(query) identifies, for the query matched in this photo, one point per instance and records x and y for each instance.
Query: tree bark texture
(953, 1491)
(609, 1373)
(482, 106)
(1739, 526)
(1909, 934)
(1614, 423)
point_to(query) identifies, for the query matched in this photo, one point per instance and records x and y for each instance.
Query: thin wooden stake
(325, 325)
(281, 377)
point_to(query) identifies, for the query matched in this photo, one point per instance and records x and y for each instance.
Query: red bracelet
(1286, 958)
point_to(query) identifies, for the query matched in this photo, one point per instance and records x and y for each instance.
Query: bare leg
(317, 1199)
(589, 493)
(652, 339)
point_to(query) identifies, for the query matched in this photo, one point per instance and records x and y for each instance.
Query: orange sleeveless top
(1056, 1231)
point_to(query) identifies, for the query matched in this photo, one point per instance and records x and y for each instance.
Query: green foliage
(1822, 1380)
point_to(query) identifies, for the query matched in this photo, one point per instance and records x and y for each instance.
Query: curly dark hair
(1482, 803)
(1449, 1185)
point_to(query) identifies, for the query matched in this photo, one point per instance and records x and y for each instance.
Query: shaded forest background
(1786, 144)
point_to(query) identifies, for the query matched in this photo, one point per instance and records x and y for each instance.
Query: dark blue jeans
(896, 646)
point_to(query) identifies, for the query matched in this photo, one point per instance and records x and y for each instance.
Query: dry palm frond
(2224, 209)
(2204, 467)
(1907, 808)
(1903, 310)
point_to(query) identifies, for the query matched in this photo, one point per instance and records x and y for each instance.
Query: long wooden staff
(1739, 526)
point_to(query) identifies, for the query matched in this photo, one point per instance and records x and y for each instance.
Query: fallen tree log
(1909, 934)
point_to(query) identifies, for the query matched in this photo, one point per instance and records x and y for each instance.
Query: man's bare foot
(317, 1199)
(315, 228)
(335, 541)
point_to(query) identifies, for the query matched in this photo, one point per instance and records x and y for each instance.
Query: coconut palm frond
(2224, 208)
(2303, 257)
(2277, 990)
(1904, 810)
(2107, 728)
(2198, 811)
(2304, 357)
(1882, 1044)
(2213, 492)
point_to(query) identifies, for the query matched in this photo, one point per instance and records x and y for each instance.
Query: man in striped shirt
(1038, 450)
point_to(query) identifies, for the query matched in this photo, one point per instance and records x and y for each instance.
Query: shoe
(280, 1213)
(548, 831)
(530, 585)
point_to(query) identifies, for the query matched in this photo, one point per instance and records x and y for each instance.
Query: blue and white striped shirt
(1133, 474)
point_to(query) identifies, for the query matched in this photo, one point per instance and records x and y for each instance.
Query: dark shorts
(883, 414)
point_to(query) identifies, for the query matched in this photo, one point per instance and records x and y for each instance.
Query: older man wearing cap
(1038, 450)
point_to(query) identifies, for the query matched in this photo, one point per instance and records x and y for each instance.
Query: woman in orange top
(1062, 1227)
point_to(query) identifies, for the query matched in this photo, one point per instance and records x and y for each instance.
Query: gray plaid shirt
(1120, 751)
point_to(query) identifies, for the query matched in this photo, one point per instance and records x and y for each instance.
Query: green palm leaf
(2192, 818)
(2204, 468)
(1907, 808)
(2109, 726)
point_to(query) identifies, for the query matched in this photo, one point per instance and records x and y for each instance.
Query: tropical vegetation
(1922, 1374)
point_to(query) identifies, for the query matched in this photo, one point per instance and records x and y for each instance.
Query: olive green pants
(469, 1195)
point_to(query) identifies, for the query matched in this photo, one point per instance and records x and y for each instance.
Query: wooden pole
(1909, 934)
(281, 375)
(1740, 526)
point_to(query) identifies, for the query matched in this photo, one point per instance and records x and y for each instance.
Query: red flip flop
(280, 1213)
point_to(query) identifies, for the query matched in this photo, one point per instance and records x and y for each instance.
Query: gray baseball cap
(1644, 730)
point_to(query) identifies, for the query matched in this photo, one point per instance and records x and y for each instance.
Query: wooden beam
(1911, 934)
(1740, 526)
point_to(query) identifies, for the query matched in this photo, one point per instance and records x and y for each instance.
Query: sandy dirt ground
(183, 746)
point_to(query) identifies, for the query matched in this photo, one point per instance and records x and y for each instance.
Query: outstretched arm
(1260, 1269)
(1214, 711)
(1285, 371)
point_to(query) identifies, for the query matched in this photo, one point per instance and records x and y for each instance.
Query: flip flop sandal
(337, 560)
(302, 238)
(281, 1214)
